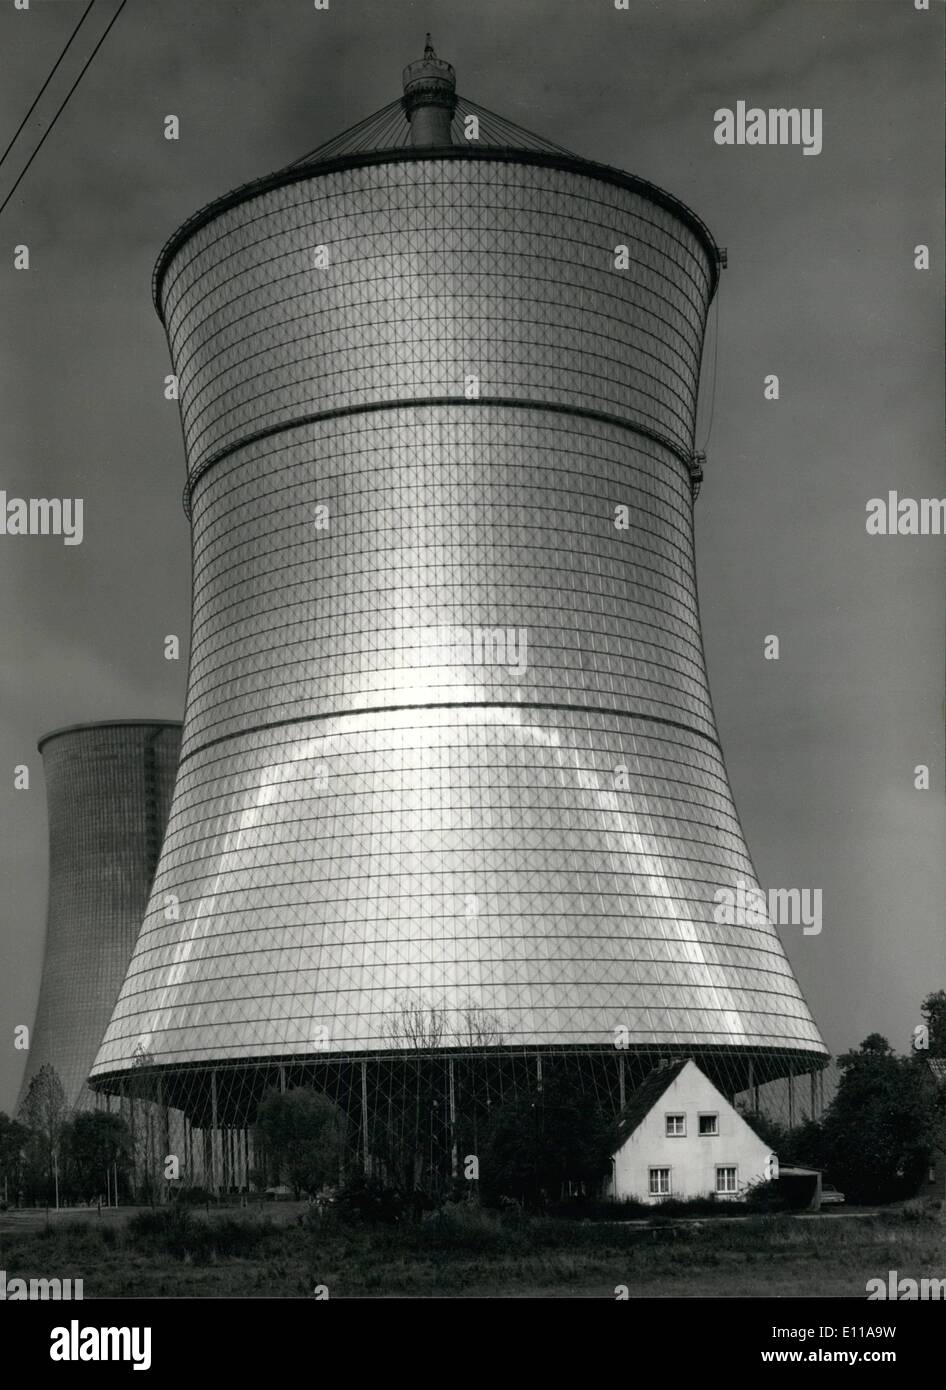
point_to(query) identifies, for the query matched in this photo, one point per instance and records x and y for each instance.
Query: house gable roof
(654, 1085)
(640, 1104)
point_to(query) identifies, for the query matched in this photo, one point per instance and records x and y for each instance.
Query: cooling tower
(108, 792)
(450, 772)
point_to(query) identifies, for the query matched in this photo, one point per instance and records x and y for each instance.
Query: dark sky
(821, 290)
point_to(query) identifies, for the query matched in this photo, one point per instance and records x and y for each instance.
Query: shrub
(165, 1229)
(919, 1209)
(73, 1240)
(193, 1196)
(364, 1201)
(228, 1235)
(175, 1231)
(600, 1209)
(465, 1226)
(766, 1197)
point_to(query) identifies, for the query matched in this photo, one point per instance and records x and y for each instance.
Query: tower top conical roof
(430, 114)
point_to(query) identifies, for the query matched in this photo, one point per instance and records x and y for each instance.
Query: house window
(709, 1124)
(676, 1126)
(726, 1181)
(660, 1182)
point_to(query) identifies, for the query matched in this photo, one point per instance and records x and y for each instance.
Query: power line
(42, 89)
(64, 103)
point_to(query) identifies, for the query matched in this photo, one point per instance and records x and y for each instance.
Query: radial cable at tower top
(449, 749)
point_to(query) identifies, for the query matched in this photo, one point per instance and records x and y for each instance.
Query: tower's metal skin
(450, 773)
(108, 793)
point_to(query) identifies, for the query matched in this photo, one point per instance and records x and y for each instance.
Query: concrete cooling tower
(108, 793)
(450, 780)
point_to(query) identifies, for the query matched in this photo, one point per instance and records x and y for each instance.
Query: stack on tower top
(430, 98)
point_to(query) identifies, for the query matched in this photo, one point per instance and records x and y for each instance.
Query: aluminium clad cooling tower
(449, 749)
(108, 792)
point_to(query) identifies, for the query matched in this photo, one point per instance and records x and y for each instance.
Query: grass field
(286, 1252)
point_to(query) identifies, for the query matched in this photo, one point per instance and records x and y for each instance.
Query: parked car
(830, 1196)
(279, 1194)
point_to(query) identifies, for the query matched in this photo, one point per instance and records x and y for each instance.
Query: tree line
(879, 1133)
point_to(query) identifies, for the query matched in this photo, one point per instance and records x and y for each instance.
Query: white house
(681, 1138)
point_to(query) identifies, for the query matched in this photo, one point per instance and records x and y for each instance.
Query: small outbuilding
(681, 1138)
(933, 1183)
(800, 1188)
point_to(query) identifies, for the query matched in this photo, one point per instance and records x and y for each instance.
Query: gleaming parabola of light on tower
(448, 740)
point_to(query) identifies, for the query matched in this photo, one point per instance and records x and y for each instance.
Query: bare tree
(426, 1027)
(478, 1028)
(44, 1111)
(418, 1026)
